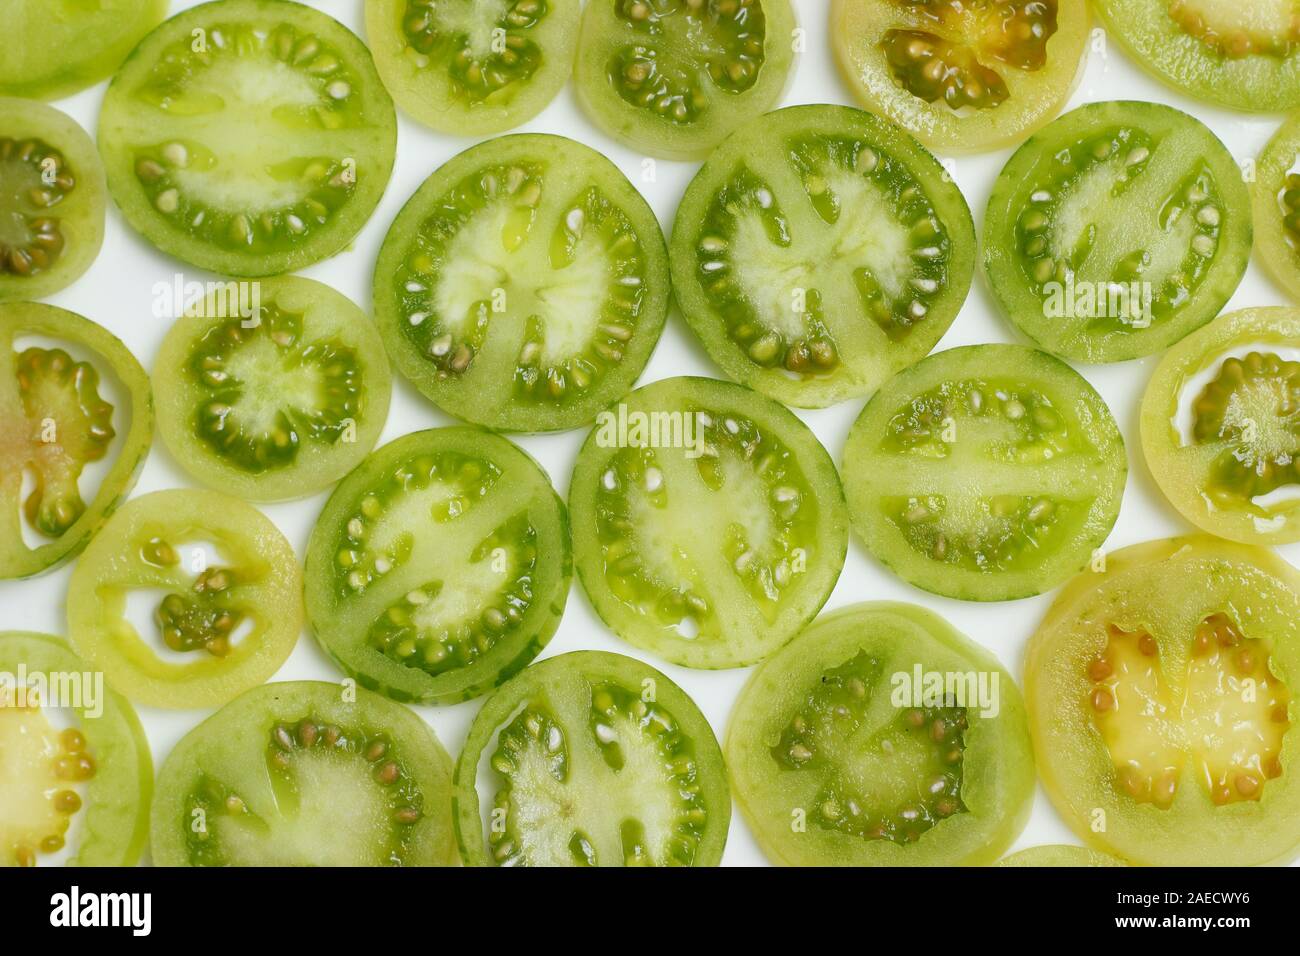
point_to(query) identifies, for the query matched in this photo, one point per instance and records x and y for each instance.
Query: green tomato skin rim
(536, 680)
(113, 836)
(16, 559)
(1059, 855)
(507, 657)
(1280, 259)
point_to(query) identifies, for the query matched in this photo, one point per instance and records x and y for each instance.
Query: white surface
(117, 293)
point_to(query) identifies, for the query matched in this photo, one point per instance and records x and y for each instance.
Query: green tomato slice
(1116, 230)
(818, 251)
(1159, 696)
(306, 773)
(221, 586)
(1059, 855)
(985, 473)
(1275, 195)
(1221, 426)
(844, 751)
(591, 759)
(278, 400)
(473, 67)
(248, 137)
(52, 200)
(672, 78)
(58, 417)
(962, 76)
(524, 286)
(53, 48)
(440, 566)
(75, 770)
(709, 523)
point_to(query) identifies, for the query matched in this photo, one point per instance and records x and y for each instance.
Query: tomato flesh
(1060, 855)
(1276, 205)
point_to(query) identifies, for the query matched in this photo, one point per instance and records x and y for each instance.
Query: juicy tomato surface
(1276, 206)
(591, 759)
(1060, 855)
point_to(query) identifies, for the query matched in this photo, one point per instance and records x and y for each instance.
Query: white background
(117, 293)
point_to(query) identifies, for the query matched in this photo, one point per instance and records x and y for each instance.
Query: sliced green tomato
(672, 78)
(1221, 426)
(1159, 697)
(306, 773)
(985, 473)
(53, 48)
(473, 67)
(844, 751)
(1116, 230)
(56, 420)
(818, 251)
(709, 523)
(273, 400)
(218, 583)
(1276, 205)
(962, 76)
(1060, 855)
(248, 137)
(591, 759)
(524, 285)
(52, 200)
(440, 566)
(75, 770)
(1243, 55)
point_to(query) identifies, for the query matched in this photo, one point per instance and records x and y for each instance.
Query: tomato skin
(17, 560)
(1164, 586)
(1273, 244)
(1059, 855)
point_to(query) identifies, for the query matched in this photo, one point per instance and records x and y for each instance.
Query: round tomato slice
(1116, 230)
(306, 773)
(524, 285)
(52, 200)
(53, 48)
(985, 473)
(1159, 698)
(71, 397)
(818, 251)
(276, 397)
(672, 78)
(880, 736)
(248, 137)
(1221, 426)
(1059, 855)
(1242, 55)
(440, 566)
(591, 759)
(962, 76)
(217, 583)
(75, 770)
(473, 67)
(1276, 204)
(709, 523)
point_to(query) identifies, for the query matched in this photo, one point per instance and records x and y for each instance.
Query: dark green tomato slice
(71, 397)
(248, 137)
(591, 759)
(962, 76)
(473, 67)
(75, 770)
(672, 78)
(524, 285)
(53, 48)
(1116, 230)
(709, 522)
(1276, 204)
(820, 250)
(440, 566)
(221, 586)
(1059, 855)
(880, 736)
(306, 773)
(52, 200)
(1160, 700)
(278, 402)
(985, 473)
(1241, 55)
(1221, 426)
